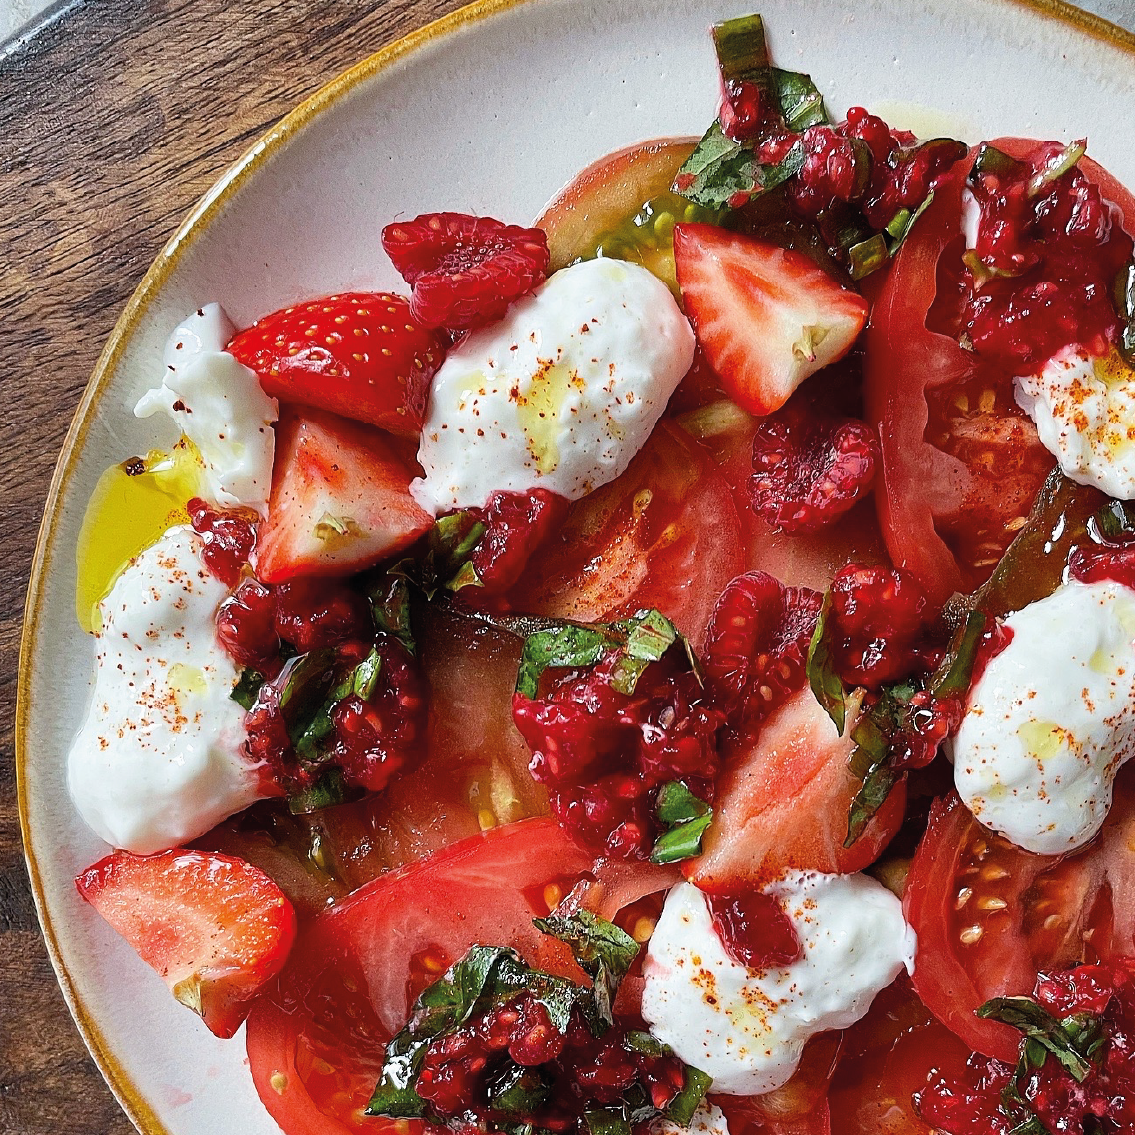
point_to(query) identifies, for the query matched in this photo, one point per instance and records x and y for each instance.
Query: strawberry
(340, 499)
(360, 354)
(766, 317)
(215, 927)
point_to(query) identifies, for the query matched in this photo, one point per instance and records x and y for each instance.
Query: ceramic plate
(543, 88)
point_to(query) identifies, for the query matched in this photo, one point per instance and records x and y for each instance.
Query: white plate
(490, 111)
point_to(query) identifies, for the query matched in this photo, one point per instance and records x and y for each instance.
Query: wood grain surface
(115, 116)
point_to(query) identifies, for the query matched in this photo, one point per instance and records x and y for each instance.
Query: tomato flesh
(315, 1044)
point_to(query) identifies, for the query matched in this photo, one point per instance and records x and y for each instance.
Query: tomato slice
(315, 1045)
(990, 917)
(665, 534)
(888, 1056)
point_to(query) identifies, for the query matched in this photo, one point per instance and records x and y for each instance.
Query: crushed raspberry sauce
(1040, 276)
(516, 524)
(754, 929)
(1095, 563)
(574, 1071)
(604, 754)
(878, 626)
(229, 537)
(981, 1102)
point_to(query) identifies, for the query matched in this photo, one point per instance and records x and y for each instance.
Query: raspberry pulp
(516, 524)
(808, 471)
(877, 626)
(757, 645)
(604, 754)
(755, 929)
(465, 271)
(229, 538)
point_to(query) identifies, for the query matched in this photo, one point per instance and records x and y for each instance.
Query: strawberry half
(360, 354)
(766, 317)
(215, 927)
(340, 499)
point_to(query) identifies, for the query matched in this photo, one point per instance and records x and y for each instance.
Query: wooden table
(115, 116)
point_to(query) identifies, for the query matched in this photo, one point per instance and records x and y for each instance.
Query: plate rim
(128, 1095)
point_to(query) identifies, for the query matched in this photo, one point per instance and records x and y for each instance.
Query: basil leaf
(1063, 1039)
(607, 1121)
(740, 47)
(675, 804)
(1123, 295)
(246, 687)
(306, 682)
(329, 789)
(514, 1090)
(871, 796)
(952, 677)
(990, 160)
(801, 103)
(822, 675)
(649, 635)
(868, 256)
(566, 646)
(1057, 166)
(390, 608)
(646, 1043)
(604, 952)
(681, 842)
(681, 1108)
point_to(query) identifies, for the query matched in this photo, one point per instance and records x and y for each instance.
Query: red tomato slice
(665, 534)
(888, 1056)
(990, 916)
(960, 462)
(315, 1045)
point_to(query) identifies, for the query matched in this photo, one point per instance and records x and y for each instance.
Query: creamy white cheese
(1052, 718)
(709, 1119)
(218, 404)
(746, 1028)
(560, 394)
(158, 760)
(1084, 410)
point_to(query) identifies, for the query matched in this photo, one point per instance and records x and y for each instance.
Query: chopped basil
(568, 645)
(740, 47)
(822, 676)
(607, 1121)
(604, 952)
(1124, 297)
(490, 976)
(389, 597)
(1113, 523)
(868, 256)
(246, 687)
(883, 716)
(1074, 1041)
(329, 789)
(639, 641)
(1057, 166)
(989, 160)
(685, 819)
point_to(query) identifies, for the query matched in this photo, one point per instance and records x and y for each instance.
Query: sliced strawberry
(360, 354)
(465, 271)
(215, 927)
(340, 499)
(766, 317)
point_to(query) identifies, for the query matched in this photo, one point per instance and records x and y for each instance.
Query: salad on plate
(670, 667)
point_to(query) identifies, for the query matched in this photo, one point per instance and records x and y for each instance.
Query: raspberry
(877, 623)
(755, 929)
(834, 170)
(229, 539)
(464, 271)
(377, 738)
(516, 524)
(807, 472)
(311, 613)
(604, 754)
(246, 627)
(373, 739)
(757, 644)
